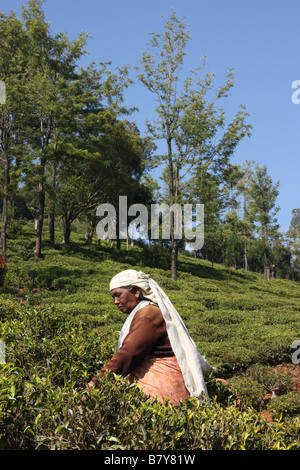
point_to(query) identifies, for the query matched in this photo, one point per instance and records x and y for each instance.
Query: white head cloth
(190, 361)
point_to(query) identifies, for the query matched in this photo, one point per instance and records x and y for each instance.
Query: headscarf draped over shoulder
(190, 361)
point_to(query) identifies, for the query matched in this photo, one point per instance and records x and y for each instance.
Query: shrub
(218, 389)
(8, 309)
(54, 349)
(3, 269)
(286, 405)
(249, 392)
(272, 381)
(39, 415)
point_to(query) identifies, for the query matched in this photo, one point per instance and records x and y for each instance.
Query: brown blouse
(147, 336)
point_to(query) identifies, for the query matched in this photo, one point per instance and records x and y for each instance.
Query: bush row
(44, 403)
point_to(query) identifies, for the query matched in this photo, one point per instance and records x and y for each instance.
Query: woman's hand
(91, 384)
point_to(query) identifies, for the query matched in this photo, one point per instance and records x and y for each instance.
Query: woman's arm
(145, 331)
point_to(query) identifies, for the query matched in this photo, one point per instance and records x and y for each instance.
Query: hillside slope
(59, 325)
(235, 317)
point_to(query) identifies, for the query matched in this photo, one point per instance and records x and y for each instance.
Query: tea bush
(117, 416)
(285, 405)
(59, 326)
(44, 403)
(249, 392)
(272, 382)
(8, 309)
(43, 340)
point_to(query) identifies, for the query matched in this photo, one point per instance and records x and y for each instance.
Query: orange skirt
(161, 378)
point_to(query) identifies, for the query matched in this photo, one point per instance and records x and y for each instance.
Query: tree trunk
(91, 230)
(118, 241)
(52, 213)
(174, 244)
(89, 236)
(245, 234)
(67, 230)
(245, 257)
(174, 257)
(267, 265)
(52, 228)
(40, 220)
(267, 272)
(5, 202)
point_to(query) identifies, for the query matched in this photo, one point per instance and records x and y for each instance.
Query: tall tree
(186, 120)
(101, 153)
(52, 62)
(293, 235)
(262, 206)
(161, 77)
(13, 72)
(242, 189)
(234, 241)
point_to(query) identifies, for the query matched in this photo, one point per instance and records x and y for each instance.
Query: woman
(154, 348)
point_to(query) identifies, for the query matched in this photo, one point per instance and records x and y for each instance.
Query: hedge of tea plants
(59, 327)
(44, 403)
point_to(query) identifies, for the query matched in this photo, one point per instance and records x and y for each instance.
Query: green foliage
(38, 415)
(285, 405)
(57, 320)
(8, 309)
(273, 382)
(63, 135)
(62, 327)
(3, 269)
(249, 392)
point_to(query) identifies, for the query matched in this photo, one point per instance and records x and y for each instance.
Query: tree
(61, 126)
(13, 72)
(161, 79)
(259, 254)
(293, 235)
(186, 121)
(51, 65)
(205, 186)
(233, 242)
(107, 167)
(101, 155)
(281, 260)
(242, 189)
(262, 206)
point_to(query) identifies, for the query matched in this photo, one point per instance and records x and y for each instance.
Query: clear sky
(259, 39)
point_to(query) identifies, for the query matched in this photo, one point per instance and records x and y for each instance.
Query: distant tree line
(67, 145)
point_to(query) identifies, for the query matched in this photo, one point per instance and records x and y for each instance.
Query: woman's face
(124, 299)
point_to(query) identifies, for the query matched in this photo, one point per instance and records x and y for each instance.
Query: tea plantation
(59, 326)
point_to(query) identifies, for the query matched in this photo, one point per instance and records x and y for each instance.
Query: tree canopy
(68, 144)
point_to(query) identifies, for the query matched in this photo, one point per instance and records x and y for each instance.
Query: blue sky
(258, 39)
